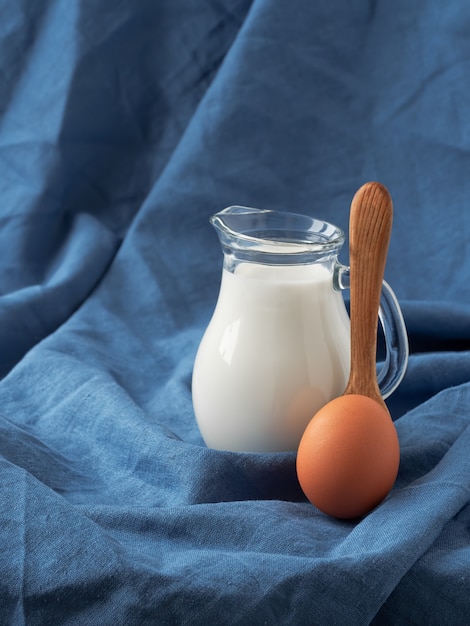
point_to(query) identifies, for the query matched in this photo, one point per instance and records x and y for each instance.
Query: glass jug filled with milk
(277, 347)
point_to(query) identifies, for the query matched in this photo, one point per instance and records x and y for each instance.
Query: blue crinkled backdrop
(123, 127)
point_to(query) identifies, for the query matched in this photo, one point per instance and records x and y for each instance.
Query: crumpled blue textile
(123, 127)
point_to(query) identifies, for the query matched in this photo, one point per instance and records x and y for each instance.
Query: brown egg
(348, 457)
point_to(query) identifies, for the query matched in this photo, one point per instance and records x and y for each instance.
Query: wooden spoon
(370, 226)
(348, 457)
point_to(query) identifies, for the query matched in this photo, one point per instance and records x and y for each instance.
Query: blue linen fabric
(123, 127)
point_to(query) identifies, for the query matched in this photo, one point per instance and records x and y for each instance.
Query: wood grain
(370, 227)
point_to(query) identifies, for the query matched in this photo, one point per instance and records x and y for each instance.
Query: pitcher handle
(393, 325)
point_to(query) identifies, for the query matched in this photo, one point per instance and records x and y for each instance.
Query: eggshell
(348, 457)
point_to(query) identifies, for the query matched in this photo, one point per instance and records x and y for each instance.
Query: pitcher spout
(236, 221)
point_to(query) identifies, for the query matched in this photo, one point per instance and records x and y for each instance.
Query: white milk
(275, 351)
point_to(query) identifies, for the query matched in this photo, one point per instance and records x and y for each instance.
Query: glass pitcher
(277, 347)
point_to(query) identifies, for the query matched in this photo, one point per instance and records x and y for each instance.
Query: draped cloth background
(123, 127)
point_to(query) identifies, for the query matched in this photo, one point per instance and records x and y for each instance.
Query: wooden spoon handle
(370, 227)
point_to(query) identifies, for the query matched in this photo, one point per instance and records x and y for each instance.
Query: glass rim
(275, 232)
